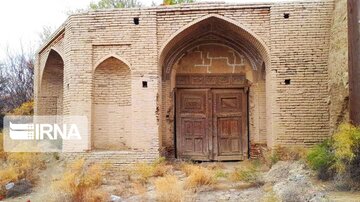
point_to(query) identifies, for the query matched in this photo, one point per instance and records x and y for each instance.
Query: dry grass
(21, 165)
(218, 169)
(8, 175)
(221, 174)
(80, 183)
(188, 168)
(215, 166)
(198, 176)
(280, 153)
(248, 172)
(26, 108)
(18, 166)
(169, 189)
(293, 153)
(144, 171)
(2, 153)
(138, 188)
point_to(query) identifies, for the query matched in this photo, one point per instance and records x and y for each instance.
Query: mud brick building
(206, 81)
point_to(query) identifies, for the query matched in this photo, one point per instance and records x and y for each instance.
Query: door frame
(210, 82)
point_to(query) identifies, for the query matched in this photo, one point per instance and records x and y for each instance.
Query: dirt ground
(283, 181)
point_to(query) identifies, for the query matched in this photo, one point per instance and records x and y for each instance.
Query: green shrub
(353, 168)
(339, 155)
(346, 143)
(321, 158)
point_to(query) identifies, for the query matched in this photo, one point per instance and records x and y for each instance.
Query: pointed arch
(51, 85)
(52, 52)
(225, 29)
(111, 104)
(202, 47)
(123, 60)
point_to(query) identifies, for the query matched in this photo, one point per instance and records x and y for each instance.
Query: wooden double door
(211, 124)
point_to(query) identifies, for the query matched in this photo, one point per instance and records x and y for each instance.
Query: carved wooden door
(211, 124)
(192, 123)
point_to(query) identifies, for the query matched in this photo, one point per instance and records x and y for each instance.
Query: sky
(21, 21)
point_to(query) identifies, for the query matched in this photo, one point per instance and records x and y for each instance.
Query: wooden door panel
(192, 116)
(228, 102)
(229, 118)
(193, 102)
(229, 135)
(194, 131)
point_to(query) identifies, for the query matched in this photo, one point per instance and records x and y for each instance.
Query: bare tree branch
(16, 78)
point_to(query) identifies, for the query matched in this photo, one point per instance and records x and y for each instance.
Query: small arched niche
(111, 108)
(51, 85)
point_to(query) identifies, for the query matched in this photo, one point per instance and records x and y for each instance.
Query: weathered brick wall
(295, 49)
(338, 67)
(299, 52)
(102, 33)
(256, 18)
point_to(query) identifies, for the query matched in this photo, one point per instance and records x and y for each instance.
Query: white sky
(21, 21)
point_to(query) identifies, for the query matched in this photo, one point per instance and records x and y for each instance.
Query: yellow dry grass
(26, 108)
(169, 189)
(80, 182)
(21, 165)
(198, 176)
(2, 153)
(18, 166)
(144, 171)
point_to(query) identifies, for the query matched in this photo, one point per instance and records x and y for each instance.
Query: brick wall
(299, 52)
(290, 54)
(112, 106)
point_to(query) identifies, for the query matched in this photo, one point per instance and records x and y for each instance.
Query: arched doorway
(111, 106)
(213, 91)
(51, 86)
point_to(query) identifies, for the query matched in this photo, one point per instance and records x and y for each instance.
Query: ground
(284, 181)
